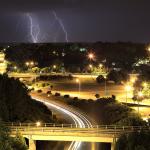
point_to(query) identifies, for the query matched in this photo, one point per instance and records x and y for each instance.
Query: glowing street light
(105, 85)
(54, 66)
(15, 67)
(77, 80)
(140, 95)
(128, 88)
(31, 63)
(90, 66)
(100, 65)
(21, 79)
(27, 63)
(91, 56)
(38, 124)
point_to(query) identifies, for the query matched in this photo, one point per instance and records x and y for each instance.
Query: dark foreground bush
(57, 94)
(39, 91)
(75, 98)
(66, 96)
(49, 92)
(54, 77)
(17, 106)
(134, 141)
(100, 79)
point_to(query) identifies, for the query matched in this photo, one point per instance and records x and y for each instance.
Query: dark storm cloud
(37, 5)
(82, 5)
(84, 20)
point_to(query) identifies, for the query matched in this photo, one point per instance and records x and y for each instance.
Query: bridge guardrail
(73, 126)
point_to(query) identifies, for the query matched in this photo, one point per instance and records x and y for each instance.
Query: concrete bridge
(69, 132)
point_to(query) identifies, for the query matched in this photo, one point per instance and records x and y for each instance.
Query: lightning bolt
(34, 29)
(61, 25)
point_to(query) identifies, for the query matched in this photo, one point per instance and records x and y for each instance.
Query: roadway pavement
(70, 114)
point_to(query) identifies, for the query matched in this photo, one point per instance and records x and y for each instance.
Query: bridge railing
(73, 126)
(71, 131)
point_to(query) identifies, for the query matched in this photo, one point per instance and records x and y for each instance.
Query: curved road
(77, 118)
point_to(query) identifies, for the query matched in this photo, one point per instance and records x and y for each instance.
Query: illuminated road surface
(78, 119)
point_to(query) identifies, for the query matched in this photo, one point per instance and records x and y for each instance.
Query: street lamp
(79, 83)
(127, 88)
(105, 85)
(91, 56)
(27, 63)
(140, 95)
(100, 65)
(54, 66)
(90, 65)
(38, 123)
(15, 67)
(31, 63)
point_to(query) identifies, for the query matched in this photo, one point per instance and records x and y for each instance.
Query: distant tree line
(116, 76)
(55, 77)
(116, 55)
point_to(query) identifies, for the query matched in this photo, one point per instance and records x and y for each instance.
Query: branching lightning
(34, 29)
(61, 25)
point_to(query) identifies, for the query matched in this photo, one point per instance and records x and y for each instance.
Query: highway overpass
(70, 132)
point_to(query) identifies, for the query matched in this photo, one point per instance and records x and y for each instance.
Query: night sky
(74, 20)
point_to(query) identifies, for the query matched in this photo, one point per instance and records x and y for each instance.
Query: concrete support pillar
(113, 144)
(32, 144)
(93, 146)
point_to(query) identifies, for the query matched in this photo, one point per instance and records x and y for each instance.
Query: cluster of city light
(5, 48)
(30, 63)
(58, 54)
(142, 62)
(129, 89)
(97, 68)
